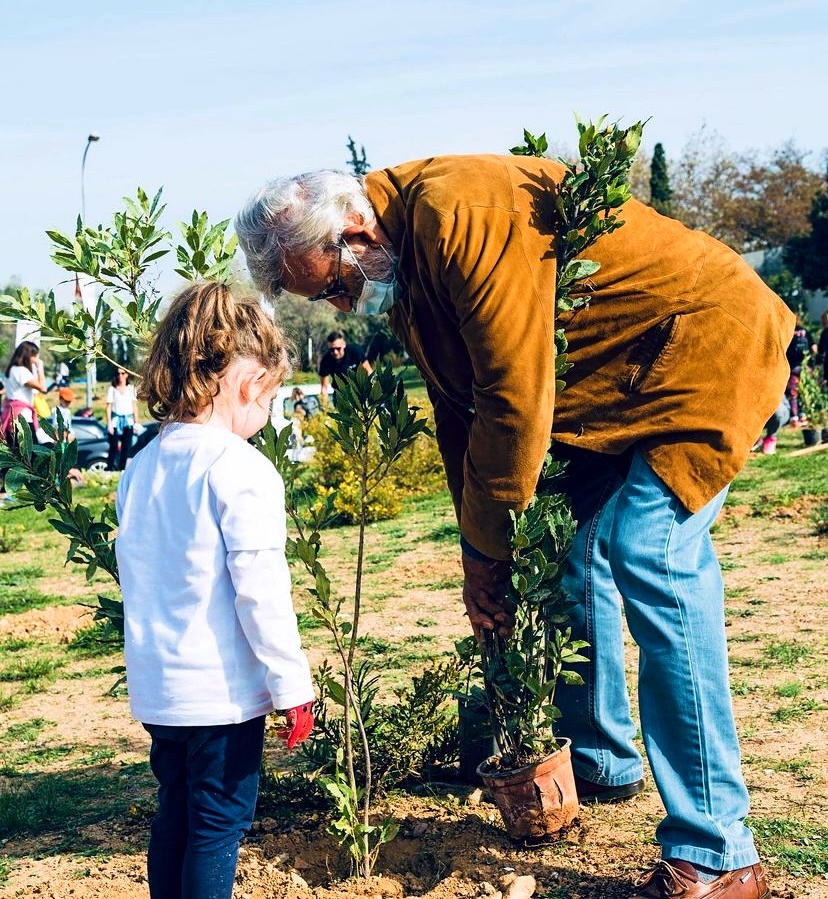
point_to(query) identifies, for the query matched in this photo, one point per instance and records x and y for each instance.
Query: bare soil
(451, 843)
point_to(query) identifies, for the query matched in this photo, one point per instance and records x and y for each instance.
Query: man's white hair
(293, 216)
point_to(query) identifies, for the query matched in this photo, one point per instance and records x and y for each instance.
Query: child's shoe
(769, 446)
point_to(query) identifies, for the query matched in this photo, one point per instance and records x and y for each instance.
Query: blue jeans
(637, 546)
(208, 783)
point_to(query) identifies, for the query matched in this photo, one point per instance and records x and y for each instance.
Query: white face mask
(375, 296)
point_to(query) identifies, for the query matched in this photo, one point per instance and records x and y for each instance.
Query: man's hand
(300, 724)
(484, 593)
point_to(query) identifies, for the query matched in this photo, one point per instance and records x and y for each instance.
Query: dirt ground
(451, 843)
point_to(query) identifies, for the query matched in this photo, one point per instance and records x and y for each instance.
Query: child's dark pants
(208, 783)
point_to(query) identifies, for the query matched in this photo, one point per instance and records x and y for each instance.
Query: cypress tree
(661, 193)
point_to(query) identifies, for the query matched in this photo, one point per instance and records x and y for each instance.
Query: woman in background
(121, 418)
(23, 377)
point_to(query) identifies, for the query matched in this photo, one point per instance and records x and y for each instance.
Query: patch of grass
(16, 644)
(777, 559)
(419, 638)
(308, 622)
(98, 755)
(99, 639)
(445, 533)
(22, 598)
(788, 653)
(799, 847)
(449, 583)
(30, 669)
(743, 688)
(774, 482)
(8, 701)
(20, 576)
(374, 646)
(801, 769)
(64, 801)
(739, 613)
(426, 622)
(790, 690)
(19, 763)
(26, 731)
(797, 711)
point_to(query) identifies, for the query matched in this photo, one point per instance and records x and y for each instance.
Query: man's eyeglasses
(337, 288)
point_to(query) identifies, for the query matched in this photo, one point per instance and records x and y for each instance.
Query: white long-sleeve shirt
(210, 631)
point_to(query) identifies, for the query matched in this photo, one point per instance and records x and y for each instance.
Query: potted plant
(813, 397)
(531, 775)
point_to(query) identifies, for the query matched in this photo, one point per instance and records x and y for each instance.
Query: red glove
(300, 724)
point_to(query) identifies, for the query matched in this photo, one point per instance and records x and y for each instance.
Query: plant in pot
(813, 398)
(531, 776)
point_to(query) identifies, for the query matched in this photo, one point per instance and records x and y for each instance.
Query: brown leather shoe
(677, 879)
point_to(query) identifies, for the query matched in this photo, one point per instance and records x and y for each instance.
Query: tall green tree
(807, 254)
(661, 194)
(358, 163)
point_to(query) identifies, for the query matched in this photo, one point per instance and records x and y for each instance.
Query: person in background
(61, 376)
(782, 416)
(297, 399)
(822, 345)
(340, 357)
(24, 377)
(802, 344)
(210, 636)
(62, 413)
(461, 253)
(62, 424)
(121, 418)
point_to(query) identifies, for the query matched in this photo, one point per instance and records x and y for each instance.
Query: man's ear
(357, 227)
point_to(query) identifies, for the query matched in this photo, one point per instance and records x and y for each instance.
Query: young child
(211, 641)
(62, 424)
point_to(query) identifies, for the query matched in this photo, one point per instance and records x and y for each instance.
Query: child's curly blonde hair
(206, 329)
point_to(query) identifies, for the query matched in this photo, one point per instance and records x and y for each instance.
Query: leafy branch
(374, 424)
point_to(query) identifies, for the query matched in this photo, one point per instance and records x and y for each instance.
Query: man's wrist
(473, 553)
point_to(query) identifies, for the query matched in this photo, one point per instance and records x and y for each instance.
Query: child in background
(211, 640)
(62, 413)
(62, 425)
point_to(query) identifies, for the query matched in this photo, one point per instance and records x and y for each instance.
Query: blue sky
(211, 98)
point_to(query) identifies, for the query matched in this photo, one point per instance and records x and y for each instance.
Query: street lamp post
(90, 370)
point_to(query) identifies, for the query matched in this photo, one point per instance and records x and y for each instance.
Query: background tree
(807, 254)
(773, 194)
(661, 193)
(702, 180)
(750, 201)
(358, 163)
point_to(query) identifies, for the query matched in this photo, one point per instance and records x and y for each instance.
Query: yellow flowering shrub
(419, 471)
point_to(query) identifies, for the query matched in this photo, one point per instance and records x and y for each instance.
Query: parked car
(93, 441)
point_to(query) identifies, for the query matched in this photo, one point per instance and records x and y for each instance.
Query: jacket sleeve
(498, 274)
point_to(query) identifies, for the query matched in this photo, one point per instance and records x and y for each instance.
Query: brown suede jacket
(681, 350)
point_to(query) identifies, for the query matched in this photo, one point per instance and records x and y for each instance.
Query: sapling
(520, 672)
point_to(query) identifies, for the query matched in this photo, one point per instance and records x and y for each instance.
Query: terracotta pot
(537, 801)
